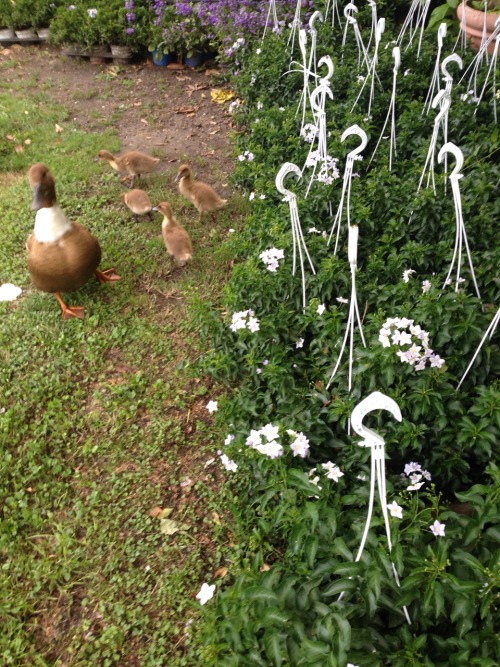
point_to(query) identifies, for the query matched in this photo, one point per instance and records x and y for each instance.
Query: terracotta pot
(472, 23)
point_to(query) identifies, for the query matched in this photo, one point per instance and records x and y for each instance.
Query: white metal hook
(302, 39)
(396, 54)
(317, 16)
(287, 168)
(352, 245)
(442, 30)
(457, 154)
(379, 30)
(348, 10)
(326, 60)
(322, 88)
(355, 129)
(375, 401)
(453, 58)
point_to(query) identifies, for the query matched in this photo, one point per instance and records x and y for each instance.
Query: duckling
(175, 236)
(138, 202)
(62, 255)
(133, 163)
(201, 194)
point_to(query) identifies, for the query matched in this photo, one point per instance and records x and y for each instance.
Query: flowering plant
(182, 30)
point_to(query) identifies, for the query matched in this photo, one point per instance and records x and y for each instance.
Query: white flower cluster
(393, 333)
(271, 258)
(228, 463)
(271, 447)
(246, 156)
(417, 476)
(234, 105)
(332, 472)
(407, 274)
(300, 444)
(234, 47)
(92, 13)
(309, 132)
(244, 319)
(469, 97)
(328, 171)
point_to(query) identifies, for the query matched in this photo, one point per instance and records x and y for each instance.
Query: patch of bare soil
(150, 107)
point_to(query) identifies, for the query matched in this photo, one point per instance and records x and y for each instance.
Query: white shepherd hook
(351, 20)
(322, 91)
(297, 236)
(371, 439)
(460, 235)
(317, 16)
(346, 185)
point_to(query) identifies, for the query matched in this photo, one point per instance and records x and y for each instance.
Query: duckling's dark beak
(38, 195)
(177, 177)
(155, 208)
(96, 159)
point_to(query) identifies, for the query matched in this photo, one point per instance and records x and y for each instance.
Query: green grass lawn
(103, 420)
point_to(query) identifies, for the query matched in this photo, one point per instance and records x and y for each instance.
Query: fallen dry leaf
(176, 66)
(163, 514)
(214, 132)
(154, 512)
(169, 527)
(210, 72)
(220, 572)
(59, 129)
(186, 110)
(10, 137)
(19, 148)
(221, 96)
(27, 142)
(6, 52)
(143, 120)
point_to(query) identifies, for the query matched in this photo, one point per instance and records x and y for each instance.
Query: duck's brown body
(66, 264)
(202, 195)
(62, 255)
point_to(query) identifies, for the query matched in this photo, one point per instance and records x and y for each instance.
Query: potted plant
(114, 29)
(6, 24)
(43, 12)
(194, 37)
(474, 20)
(163, 38)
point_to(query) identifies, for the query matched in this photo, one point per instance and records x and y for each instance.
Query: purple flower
(130, 31)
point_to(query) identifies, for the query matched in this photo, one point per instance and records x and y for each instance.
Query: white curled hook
(453, 58)
(317, 16)
(355, 129)
(457, 154)
(326, 60)
(396, 54)
(287, 168)
(348, 10)
(379, 30)
(442, 30)
(322, 88)
(375, 401)
(303, 41)
(445, 101)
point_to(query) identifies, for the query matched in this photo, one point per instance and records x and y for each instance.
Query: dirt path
(154, 109)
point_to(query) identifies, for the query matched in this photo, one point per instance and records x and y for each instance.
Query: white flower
(92, 13)
(271, 432)
(212, 406)
(384, 340)
(395, 510)
(300, 446)
(412, 467)
(259, 105)
(349, 664)
(360, 78)
(407, 274)
(341, 299)
(415, 487)
(229, 439)
(281, 108)
(253, 324)
(231, 230)
(250, 157)
(254, 438)
(335, 473)
(436, 361)
(426, 285)
(415, 477)
(407, 71)
(241, 158)
(438, 528)
(299, 343)
(9, 292)
(258, 51)
(321, 309)
(427, 475)
(228, 464)
(262, 196)
(251, 196)
(272, 449)
(405, 338)
(206, 593)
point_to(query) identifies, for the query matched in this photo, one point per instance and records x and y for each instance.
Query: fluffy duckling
(175, 236)
(201, 194)
(62, 255)
(133, 163)
(138, 202)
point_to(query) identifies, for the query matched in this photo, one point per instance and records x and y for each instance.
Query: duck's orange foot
(108, 276)
(68, 312)
(73, 311)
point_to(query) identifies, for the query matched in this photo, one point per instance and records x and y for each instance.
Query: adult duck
(62, 255)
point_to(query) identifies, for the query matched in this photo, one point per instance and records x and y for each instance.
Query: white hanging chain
(353, 309)
(460, 235)
(363, 58)
(492, 67)
(271, 10)
(391, 113)
(372, 68)
(299, 244)
(346, 184)
(489, 333)
(434, 87)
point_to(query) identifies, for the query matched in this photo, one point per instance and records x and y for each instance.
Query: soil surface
(168, 112)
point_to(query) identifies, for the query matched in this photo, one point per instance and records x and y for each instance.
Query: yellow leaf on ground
(221, 96)
(59, 129)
